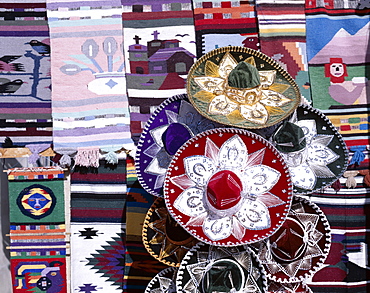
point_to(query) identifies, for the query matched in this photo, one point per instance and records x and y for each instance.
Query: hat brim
(163, 281)
(325, 157)
(152, 158)
(299, 248)
(163, 238)
(298, 287)
(248, 275)
(208, 89)
(266, 195)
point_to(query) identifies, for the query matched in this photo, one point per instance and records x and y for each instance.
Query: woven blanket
(159, 39)
(159, 42)
(283, 37)
(90, 107)
(98, 217)
(225, 23)
(337, 68)
(101, 196)
(38, 230)
(140, 266)
(345, 269)
(25, 105)
(97, 262)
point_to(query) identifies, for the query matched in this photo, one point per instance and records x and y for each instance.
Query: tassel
(366, 174)
(336, 185)
(35, 150)
(66, 160)
(87, 157)
(111, 157)
(351, 181)
(358, 155)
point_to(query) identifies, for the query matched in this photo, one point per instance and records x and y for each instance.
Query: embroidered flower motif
(298, 248)
(227, 190)
(312, 161)
(173, 129)
(254, 103)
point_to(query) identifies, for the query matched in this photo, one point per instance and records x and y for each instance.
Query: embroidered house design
(160, 65)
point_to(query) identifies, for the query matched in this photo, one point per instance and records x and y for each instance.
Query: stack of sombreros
(232, 163)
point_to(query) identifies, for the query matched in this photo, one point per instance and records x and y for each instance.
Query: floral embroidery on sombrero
(240, 88)
(227, 190)
(306, 152)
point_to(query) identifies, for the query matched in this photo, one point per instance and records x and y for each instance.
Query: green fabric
(289, 138)
(244, 76)
(222, 277)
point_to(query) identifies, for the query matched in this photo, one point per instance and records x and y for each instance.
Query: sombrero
(171, 125)
(163, 237)
(163, 282)
(228, 187)
(313, 149)
(298, 287)
(241, 87)
(209, 269)
(299, 248)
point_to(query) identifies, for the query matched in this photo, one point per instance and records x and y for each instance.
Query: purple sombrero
(172, 124)
(228, 187)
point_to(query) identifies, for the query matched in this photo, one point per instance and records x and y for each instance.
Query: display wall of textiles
(194, 146)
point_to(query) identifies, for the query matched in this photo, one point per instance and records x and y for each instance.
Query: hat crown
(289, 138)
(174, 137)
(224, 190)
(244, 76)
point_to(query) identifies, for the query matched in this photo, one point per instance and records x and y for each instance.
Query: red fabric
(223, 190)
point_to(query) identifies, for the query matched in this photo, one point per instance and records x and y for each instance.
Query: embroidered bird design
(9, 87)
(43, 48)
(7, 65)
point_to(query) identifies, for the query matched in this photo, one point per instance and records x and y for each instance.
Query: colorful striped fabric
(38, 240)
(140, 266)
(100, 196)
(225, 23)
(90, 106)
(346, 268)
(25, 104)
(98, 217)
(159, 45)
(282, 30)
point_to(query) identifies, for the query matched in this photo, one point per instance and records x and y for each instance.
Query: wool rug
(89, 102)
(282, 31)
(25, 105)
(225, 23)
(38, 250)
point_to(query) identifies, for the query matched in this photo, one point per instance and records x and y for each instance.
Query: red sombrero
(299, 247)
(228, 187)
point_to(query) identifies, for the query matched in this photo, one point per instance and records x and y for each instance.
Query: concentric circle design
(249, 200)
(36, 201)
(241, 87)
